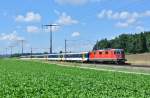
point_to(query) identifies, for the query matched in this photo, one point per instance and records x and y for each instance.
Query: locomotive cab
(119, 55)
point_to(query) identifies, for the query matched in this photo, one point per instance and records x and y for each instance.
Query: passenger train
(105, 55)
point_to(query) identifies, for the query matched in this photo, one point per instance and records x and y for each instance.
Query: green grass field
(27, 79)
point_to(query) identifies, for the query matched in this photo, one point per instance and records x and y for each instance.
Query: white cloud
(101, 14)
(126, 23)
(75, 34)
(122, 24)
(32, 29)
(75, 2)
(29, 17)
(119, 15)
(10, 37)
(72, 2)
(65, 19)
(124, 18)
(146, 13)
(124, 15)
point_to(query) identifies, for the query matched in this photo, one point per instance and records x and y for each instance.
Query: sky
(81, 22)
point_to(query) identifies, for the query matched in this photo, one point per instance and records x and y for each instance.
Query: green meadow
(30, 79)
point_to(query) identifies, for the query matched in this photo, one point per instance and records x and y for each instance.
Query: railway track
(124, 68)
(111, 64)
(103, 65)
(126, 65)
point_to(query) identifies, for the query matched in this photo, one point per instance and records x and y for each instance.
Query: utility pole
(31, 52)
(6, 50)
(11, 50)
(22, 45)
(51, 39)
(65, 46)
(97, 45)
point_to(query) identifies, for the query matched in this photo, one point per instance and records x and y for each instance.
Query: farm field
(30, 79)
(139, 59)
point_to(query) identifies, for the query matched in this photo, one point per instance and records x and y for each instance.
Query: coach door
(61, 57)
(83, 56)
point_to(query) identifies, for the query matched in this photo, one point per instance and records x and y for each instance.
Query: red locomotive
(108, 55)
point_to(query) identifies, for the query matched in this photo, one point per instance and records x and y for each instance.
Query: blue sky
(84, 21)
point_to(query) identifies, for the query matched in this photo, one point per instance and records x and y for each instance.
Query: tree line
(131, 43)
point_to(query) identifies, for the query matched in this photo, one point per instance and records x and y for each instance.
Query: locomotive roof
(109, 49)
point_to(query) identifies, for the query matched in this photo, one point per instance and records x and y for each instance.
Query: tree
(45, 52)
(143, 43)
(132, 43)
(103, 44)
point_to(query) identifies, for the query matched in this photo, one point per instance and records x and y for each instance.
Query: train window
(53, 56)
(106, 52)
(118, 52)
(73, 56)
(78, 55)
(86, 55)
(95, 53)
(122, 52)
(66, 56)
(100, 53)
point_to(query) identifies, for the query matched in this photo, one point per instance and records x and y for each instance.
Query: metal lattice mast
(51, 36)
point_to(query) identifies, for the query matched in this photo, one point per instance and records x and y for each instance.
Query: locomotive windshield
(118, 52)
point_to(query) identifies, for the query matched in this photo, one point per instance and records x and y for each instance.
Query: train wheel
(119, 62)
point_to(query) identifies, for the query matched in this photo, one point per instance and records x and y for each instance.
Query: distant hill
(132, 43)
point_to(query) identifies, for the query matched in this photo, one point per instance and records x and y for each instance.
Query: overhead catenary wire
(79, 45)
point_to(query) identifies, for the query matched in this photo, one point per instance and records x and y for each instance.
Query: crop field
(29, 79)
(139, 59)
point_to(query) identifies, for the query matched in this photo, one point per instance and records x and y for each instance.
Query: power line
(78, 45)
